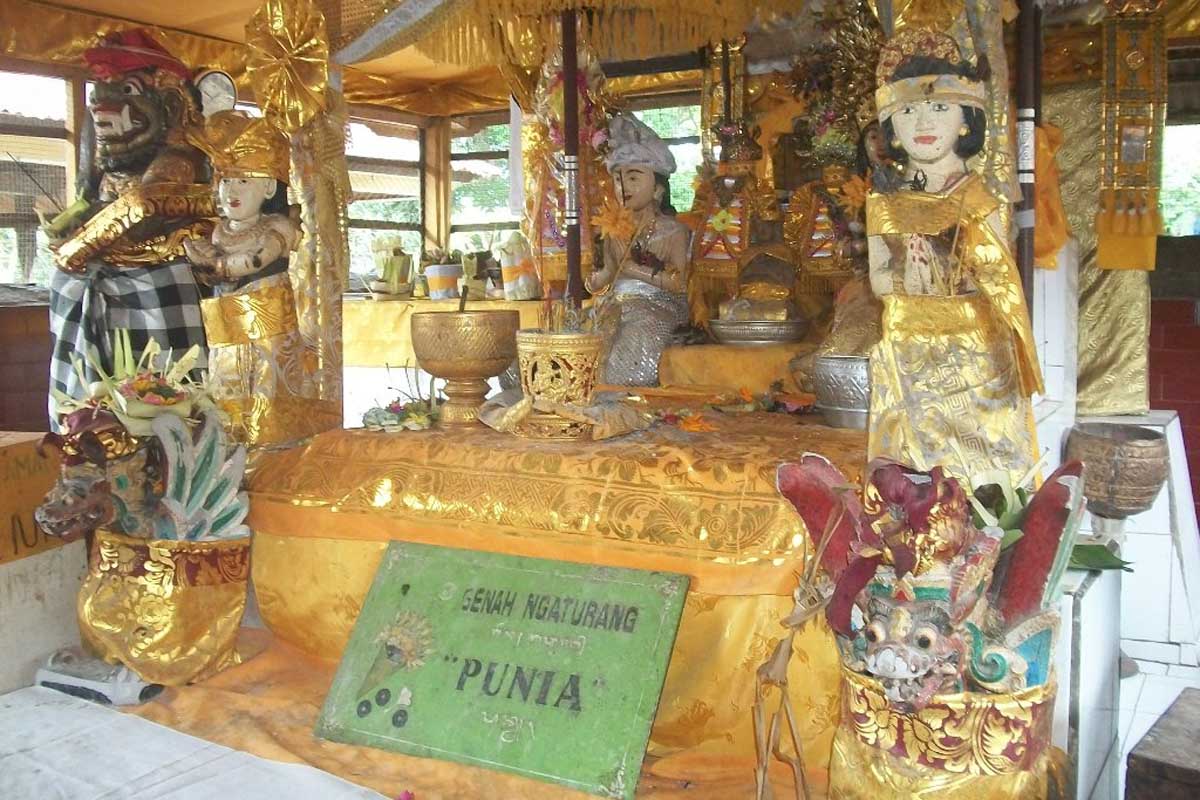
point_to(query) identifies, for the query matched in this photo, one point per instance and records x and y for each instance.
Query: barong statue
(642, 283)
(119, 248)
(261, 371)
(956, 366)
(945, 610)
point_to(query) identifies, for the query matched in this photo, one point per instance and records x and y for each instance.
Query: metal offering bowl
(465, 348)
(758, 332)
(843, 388)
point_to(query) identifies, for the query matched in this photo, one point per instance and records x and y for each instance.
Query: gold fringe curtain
(488, 32)
(1114, 306)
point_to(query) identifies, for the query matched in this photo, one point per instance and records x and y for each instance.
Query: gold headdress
(241, 146)
(893, 94)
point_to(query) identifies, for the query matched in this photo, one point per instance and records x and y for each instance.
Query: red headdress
(121, 52)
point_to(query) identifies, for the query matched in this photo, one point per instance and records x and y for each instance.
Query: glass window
(1181, 180)
(480, 218)
(679, 126)
(384, 160)
(33, 171)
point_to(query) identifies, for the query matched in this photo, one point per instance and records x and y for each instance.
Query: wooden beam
(654, 66)
(570, 60)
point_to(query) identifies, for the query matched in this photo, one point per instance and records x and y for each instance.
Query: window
(1181, 180)
(679, 127)
(34, 153)
(386, 179)
(479, 212)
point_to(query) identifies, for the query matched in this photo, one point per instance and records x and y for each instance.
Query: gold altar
(704, 505)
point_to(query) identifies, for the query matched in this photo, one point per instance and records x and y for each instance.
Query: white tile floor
(1144, 698)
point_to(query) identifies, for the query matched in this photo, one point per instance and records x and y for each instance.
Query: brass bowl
(561, 368)
(465, 348)
(1126, 466)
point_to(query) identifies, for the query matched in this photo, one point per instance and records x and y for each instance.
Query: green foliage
(1096, 556)
(392, 209)
(493, 137)
(1180, 196)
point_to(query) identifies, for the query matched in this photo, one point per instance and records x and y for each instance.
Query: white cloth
(57, 747)
(633, 144)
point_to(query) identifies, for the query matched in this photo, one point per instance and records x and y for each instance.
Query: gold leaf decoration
(288, 61)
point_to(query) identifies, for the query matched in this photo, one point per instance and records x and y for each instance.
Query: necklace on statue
(640, 252)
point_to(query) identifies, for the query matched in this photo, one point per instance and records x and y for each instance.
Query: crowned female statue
(956, 366)
(642, 283)
(260, 368)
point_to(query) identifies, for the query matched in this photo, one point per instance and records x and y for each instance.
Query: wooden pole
(571, 158)
(1028, 101)
(727, 81)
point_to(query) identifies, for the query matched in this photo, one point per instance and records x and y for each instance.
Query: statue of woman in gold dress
(643, 279)
(260, 369)
(953, 374)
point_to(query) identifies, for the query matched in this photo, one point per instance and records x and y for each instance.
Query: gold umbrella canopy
(476, 33)
(287, 61)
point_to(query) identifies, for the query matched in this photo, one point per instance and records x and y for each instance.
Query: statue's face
(928, 131)
(638, 188)
(131, 117)
(910, 648)
(241, 199)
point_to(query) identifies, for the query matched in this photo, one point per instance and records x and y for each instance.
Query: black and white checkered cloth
(160, 302)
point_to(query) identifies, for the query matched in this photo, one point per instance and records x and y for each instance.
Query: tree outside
(1180, 195)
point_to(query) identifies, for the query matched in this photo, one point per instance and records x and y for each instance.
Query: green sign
(543, 668)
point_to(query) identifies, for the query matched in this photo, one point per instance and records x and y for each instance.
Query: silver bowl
(758, 332)
(843, 389)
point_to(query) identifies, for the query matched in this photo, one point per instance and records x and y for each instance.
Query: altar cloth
(269, 705)
(55, 746)
(701, 504)
(731, 366)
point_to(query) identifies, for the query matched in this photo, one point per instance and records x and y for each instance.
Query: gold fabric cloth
(268, 707)
(731, 367)
(701, 504)
(945, 373)
(261, 371)
(379, 334)
(969, 745)
(168, 610)
(1051, 231)
(1114, 305)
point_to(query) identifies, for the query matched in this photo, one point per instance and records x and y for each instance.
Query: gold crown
(242, 146)
(915, 42)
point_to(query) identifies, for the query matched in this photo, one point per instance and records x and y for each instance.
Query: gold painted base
(464, 396)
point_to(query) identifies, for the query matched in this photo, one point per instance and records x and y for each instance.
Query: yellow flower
(696, 424)
(854, 194)
(615, 221)
(723, 221)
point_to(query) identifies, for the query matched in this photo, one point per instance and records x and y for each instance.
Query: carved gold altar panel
(1114, 306)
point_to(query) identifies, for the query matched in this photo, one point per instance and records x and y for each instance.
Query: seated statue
(641, 285)
(261, 372)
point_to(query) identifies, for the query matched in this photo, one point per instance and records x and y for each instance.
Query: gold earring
(896, 142)
(963, 130)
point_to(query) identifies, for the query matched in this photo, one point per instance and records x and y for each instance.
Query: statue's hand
(200, 252)
(239, 265)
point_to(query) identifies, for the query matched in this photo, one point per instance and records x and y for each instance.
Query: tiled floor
(1144, 698)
